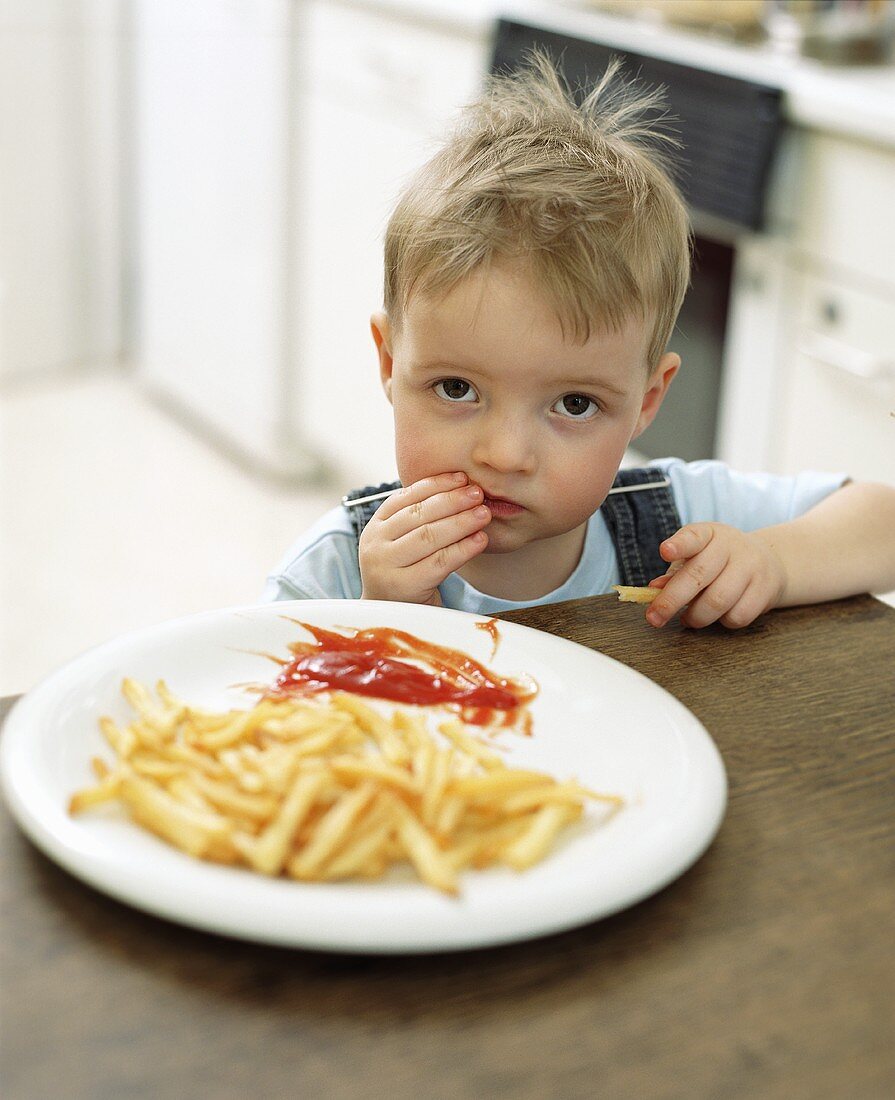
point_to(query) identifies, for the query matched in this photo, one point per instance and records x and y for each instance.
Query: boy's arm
(841, 547)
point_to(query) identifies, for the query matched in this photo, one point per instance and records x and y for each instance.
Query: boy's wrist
(774, 541)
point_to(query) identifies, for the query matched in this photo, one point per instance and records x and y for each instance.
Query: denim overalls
(637, 521)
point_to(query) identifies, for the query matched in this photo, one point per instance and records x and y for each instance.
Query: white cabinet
(809, 371)
(844, 217)
(377, 91)
(838, 362)
(840, 398)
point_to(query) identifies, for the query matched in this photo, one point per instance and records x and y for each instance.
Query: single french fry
(318, 745)
(358, 768)
(186, 754)
(239, 725)
(227, 799)
(222, 850)
(631, 594)
(533, 844)
(307, 721)
(424, 853)
(433, 793)
(451, 811)
(170, 700)
(455, 732)
(154, 767)
(185, 791)
(423, 759)
(481, 846)
(496, 783)
(195, 719)
(157, 718)
(99, 767)
(412, 728)
(122, 741)
(371, 722)
(107, 790)
(570, 794)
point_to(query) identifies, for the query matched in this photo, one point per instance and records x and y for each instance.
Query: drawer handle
(847, 359)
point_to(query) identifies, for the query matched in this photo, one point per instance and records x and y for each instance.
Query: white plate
(594, 719)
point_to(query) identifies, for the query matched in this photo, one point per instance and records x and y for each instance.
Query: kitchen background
(192, 196)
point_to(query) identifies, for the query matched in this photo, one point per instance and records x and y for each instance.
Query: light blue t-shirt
(322, 564)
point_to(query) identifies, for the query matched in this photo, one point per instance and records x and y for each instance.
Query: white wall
(60, 185)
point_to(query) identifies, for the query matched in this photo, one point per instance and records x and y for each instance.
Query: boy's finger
(434, 508)
(449, 559)
(660, 582)
(746, 610)
(682, 587)
(716, 601)
(419, 490)
(434, 538)
(687, 542)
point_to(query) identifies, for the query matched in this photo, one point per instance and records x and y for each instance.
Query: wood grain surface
(765, 971)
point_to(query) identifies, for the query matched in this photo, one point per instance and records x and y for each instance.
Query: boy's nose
(505, 447)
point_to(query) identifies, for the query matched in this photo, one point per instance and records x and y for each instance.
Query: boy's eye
(455, 389)
(576, 406)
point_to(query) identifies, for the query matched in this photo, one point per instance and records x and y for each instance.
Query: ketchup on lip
(375, 662)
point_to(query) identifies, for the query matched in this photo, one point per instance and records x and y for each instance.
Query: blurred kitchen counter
(855, 101)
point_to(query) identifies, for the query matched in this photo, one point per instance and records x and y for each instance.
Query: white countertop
(855, 101)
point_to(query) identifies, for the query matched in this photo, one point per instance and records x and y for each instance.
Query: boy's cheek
(581, 497)
(418, 458)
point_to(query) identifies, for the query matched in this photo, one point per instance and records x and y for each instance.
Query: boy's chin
(503, 539)
(503, 542)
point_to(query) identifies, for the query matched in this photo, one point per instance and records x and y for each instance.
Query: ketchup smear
(375, 662)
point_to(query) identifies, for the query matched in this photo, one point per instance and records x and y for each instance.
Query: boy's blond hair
(581, 194)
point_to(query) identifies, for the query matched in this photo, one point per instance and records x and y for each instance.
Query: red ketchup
(377, 662)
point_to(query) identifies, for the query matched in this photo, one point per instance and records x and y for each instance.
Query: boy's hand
(419, 535)
(718, 574)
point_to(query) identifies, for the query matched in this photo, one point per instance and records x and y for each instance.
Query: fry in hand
(632, 594)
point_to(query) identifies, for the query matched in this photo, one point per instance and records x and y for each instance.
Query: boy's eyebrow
(593, 383)
(439, 364)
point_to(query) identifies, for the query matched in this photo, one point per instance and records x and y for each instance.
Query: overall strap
(639, 521)
(361, 514)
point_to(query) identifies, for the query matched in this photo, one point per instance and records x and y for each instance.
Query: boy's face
(483, 382)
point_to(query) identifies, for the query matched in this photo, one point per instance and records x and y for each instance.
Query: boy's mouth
(499, 507)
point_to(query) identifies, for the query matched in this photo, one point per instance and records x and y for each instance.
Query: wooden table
(765, 971)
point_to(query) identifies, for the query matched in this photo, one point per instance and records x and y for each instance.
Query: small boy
(534, 269)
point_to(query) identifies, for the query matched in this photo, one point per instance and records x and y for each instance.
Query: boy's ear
(382, 337)
(665, 371)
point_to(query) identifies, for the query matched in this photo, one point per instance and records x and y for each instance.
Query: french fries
(324, 789)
